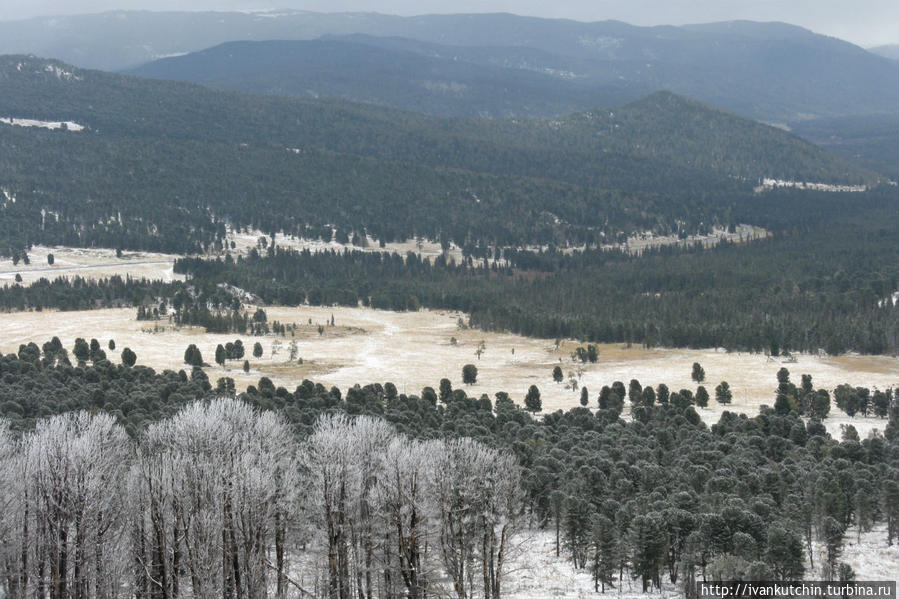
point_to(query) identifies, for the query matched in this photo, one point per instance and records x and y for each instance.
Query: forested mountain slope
(364, 71)
(872, 141)
(164, 165)
(768, 71)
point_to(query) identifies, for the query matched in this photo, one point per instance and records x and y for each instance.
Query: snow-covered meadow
(417, 349)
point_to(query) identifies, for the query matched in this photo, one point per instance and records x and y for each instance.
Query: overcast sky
(865, 22)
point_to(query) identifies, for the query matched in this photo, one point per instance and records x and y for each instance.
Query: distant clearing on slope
(88, 263)
(100, 263)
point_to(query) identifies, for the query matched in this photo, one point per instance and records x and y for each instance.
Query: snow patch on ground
(248, 239)
(870, 556)
(769, 184)
(62, 73)
(66, 125)
(894, 298)
(537, 572)
(450, 87)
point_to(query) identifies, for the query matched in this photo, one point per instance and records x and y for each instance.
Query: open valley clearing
(416, 349)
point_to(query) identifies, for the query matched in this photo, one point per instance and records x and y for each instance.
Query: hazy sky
(865, 22)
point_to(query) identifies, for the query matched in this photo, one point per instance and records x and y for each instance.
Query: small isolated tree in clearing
(257, 350)
(532, 401)
(246, 366)
(112, 345)
(220, 355)
(557, 374)
(702, 397)
(723, 394)
(128, 357)
(469, 374)
(585, 397)
(50, 259)
(192, 355)
(698, 374)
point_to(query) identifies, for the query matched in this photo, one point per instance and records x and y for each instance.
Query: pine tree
(128, 357)
(220, 355)
(723, 394)
(469, 374)
(702, 397)
(532, 401)
(605, 551)
(698, 374)
(557, 374)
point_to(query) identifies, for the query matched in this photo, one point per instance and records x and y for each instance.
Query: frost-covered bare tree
(213, 490)
(13, 535)
(405, 513)
(477, 495)
(64, 511)
(343, 460)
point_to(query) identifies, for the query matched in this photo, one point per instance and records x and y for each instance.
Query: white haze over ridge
(864, 22)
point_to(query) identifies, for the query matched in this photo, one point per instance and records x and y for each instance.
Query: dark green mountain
(767, 71)
(165, 165)
(365, 70)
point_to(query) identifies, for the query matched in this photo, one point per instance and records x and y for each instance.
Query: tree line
(825, 290)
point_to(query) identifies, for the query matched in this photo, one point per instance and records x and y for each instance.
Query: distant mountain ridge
(377, 71)
(888, 51)
(767, 71)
